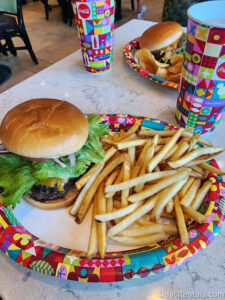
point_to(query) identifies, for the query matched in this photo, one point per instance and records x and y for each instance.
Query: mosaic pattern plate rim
(39, 255)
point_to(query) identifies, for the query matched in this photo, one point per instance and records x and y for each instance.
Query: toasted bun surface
(54, 204)
(44, 128)
(161, 35)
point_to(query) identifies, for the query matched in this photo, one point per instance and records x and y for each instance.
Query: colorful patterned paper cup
(201, 98)
(95, 22)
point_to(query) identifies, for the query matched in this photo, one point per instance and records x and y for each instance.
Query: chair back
(8, 6)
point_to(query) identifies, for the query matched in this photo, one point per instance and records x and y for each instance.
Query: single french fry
(149, 132)
(171, 152)
(92, 190)
(148, 156)
(165, 196)
(112, 177)
(131, 218)
(190, 194)
(126, 176)
(165, 133)
(192, 141)
(181, 221)
(119, 213)
(185, 187)
(211, 169)
(74, 209)
(125, 136)
(92, 244)
(169, 206)
(137, 167)
(201, 159)
(140, 240)
(133, 128)
(107, 140)
(131, 153)
(200, 195)
(195, 215)
(181, 149)
(148, 229)
(160, 185)
(132, 143)
(196, 174)
(135, 181)
(101, 227)
(198, 170)
(118, 180)
(81, 181)
(164, 140)
(202, 141)
(109, 205)
(161, 154)
(194, 154)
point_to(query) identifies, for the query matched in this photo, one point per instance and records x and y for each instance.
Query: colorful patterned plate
(44, 257)
(128, 55)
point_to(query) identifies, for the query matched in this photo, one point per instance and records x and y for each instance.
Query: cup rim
(205, 22)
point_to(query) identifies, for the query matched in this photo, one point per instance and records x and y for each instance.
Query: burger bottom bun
(54, 204)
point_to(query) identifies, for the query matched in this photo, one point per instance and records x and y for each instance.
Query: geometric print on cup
(219, 73)
(188, 98)
(219, 91)
(222, 52)
(192, 68)
(187, 55)
(216, 36)
(192, 27)
(199, 46)
(192, 119)
(212, 49)
(205, 83)
(182, 109)
(206, 73)
(189, 47)
(190, 78)
(209, 61)
(201, 33)
(196, 58)
(196, 104)
(200, 92)
(205, 111)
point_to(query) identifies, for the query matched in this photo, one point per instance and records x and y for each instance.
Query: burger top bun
(44, 128)
(161, 36)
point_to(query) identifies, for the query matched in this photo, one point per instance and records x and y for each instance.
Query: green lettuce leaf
(18, 175)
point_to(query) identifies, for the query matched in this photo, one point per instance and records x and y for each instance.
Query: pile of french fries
(149, 187)
(171, 71)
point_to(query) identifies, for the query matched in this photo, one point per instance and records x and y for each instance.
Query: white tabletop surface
(120, 91)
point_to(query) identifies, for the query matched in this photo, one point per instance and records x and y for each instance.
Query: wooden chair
(118, 10)
(12, 25)
(48, 7)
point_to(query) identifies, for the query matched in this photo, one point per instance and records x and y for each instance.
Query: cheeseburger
(46, 145)
(162, 38)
